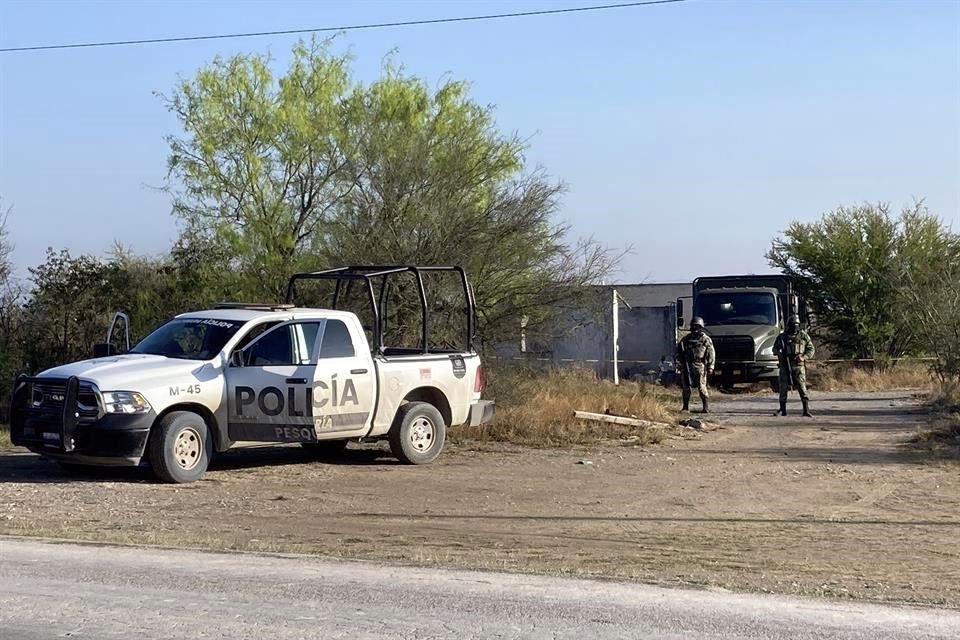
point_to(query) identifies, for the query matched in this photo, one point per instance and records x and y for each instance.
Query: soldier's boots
(806, 408)
(686, 402)
(783, 409)
(706, 405)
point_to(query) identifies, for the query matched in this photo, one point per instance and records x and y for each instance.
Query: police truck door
(344, 385)
(269, 397)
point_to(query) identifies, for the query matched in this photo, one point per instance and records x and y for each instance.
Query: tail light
(480, 381)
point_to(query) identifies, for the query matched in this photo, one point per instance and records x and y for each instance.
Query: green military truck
(743, 315)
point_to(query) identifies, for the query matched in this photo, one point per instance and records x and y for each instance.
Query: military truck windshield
(189, 338)
(736, 308)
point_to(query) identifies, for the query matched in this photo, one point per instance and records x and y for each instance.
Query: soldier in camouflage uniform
(793, 347)
(696, 358)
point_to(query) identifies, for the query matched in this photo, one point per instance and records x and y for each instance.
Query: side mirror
(103, 349)
(679, 313)
(237, 358)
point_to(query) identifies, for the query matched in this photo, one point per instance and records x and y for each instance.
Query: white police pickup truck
(208, 380)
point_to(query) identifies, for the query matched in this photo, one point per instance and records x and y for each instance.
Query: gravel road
(81, 591)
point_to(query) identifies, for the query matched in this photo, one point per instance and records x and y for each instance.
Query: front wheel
(180, 448)
(418, 433)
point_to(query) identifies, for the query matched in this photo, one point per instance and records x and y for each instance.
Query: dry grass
(5, 437)
(826, 377)
(943, 435)
(946, 398)
(536, 408)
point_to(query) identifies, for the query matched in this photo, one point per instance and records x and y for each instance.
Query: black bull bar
(33, 423)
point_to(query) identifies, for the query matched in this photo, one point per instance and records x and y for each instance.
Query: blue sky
(695, 132)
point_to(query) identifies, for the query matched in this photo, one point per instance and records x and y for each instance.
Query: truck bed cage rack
(367, 274)
(254, 306)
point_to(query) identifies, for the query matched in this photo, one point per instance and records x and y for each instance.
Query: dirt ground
(838, 506)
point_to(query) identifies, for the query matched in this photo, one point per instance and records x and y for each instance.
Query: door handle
(296, 381)
(357, 372)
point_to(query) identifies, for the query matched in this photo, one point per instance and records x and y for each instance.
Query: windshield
(736, 308)
(189, 338)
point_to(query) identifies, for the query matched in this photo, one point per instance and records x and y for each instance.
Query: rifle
(686, 365)
(787, 354)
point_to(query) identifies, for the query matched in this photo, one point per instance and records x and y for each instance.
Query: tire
(775, 385)
(418, 433)
(326, 449)
(180, 448)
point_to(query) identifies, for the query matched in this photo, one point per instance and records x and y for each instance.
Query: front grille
(739, 348)
(50, 396)
(46, 412)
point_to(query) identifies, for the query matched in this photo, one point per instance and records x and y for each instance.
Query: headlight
(767, 351)
(124, 402)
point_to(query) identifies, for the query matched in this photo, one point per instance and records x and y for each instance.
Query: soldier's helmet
(793, 323)
(696, 321)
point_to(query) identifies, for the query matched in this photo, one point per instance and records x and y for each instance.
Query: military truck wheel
(326, 449)
(418, 433)
(180, 448)
(775, 385)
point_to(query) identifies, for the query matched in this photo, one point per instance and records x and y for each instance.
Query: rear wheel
(180, 447)
(418, 433)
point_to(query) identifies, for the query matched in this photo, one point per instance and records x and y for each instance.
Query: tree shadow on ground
(30, 468)
(817, 452)
(800, 519)
(252, 457)
(21, 467)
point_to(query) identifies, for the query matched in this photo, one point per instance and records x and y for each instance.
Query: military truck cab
(743, 316)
